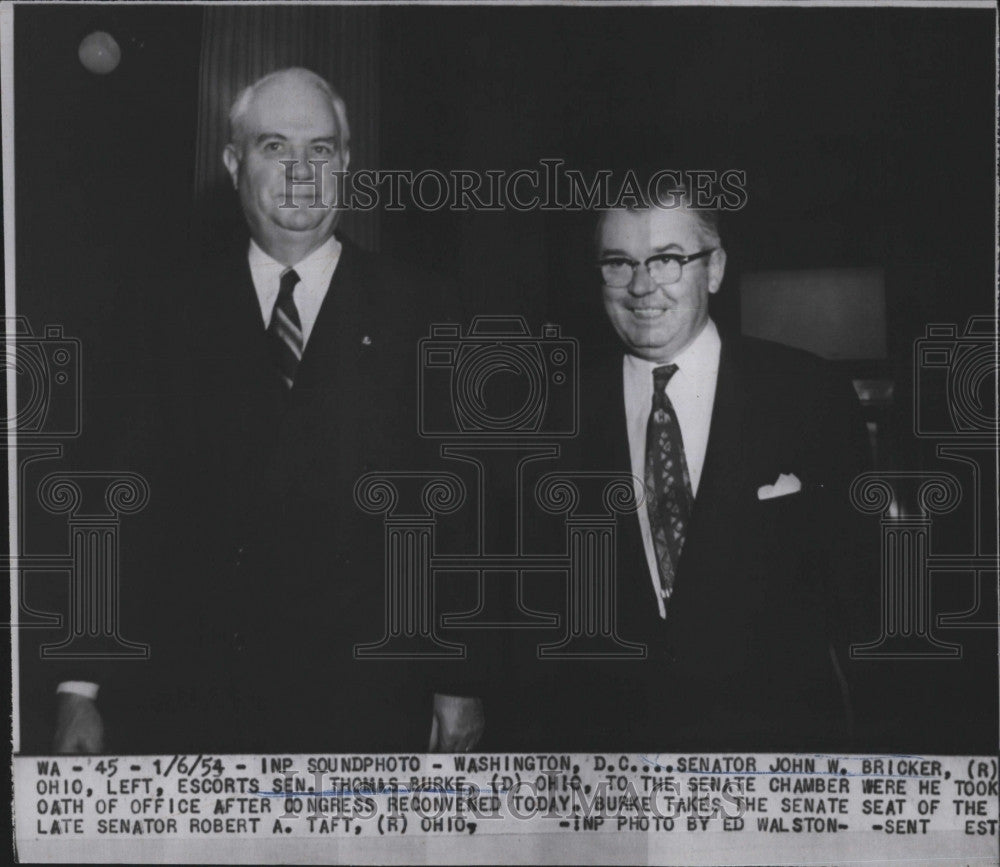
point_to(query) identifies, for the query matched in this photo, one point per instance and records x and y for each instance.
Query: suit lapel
(724, 467)
(322, 446)
(708, 564)
(336, 339)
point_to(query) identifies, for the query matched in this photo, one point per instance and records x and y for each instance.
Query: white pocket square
(786, 484)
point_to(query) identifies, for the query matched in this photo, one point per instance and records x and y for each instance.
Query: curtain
(242, 43)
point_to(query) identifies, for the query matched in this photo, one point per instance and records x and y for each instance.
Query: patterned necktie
(285, 330)
(669, 498)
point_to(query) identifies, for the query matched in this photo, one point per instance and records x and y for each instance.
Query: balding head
(289, 144)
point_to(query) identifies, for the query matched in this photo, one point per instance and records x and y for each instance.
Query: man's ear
(231, 160)
(716, 270)
(345, 155)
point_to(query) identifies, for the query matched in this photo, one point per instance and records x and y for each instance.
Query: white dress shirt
(692, 392)
(315, 273)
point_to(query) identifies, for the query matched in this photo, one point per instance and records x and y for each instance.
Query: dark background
(867, 136)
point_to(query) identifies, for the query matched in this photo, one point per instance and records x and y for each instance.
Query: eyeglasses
(663, 268)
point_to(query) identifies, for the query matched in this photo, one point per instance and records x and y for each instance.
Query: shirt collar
(313, 266)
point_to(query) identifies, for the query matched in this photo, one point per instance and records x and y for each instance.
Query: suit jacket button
(238, 643)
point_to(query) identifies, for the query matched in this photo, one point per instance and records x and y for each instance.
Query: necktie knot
(289, 280)
(661, 378)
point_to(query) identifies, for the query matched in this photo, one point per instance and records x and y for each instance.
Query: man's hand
(457, 724)
(79, 728)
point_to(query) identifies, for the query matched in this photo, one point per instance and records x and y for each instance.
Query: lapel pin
(366, 341)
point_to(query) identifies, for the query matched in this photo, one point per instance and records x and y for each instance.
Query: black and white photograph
(541, 432)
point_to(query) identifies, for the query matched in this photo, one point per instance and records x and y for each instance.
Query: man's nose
(302, 169)
(641, 283)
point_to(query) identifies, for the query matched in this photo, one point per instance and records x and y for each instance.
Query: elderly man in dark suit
(275, 377)
(734, 572)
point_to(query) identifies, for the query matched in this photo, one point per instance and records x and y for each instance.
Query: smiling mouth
(648, 312)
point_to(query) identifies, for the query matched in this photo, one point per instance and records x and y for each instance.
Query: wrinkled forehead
(650, 228)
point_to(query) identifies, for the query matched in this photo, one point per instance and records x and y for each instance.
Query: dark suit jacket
(743, 658)
(252, 573)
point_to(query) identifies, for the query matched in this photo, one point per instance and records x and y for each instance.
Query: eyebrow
(668, 247)
(265, 136)
(606, 252)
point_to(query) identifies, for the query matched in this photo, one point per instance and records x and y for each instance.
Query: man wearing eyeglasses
(731, 571)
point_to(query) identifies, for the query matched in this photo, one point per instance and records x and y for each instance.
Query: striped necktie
(285, 330)
(669, 497)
